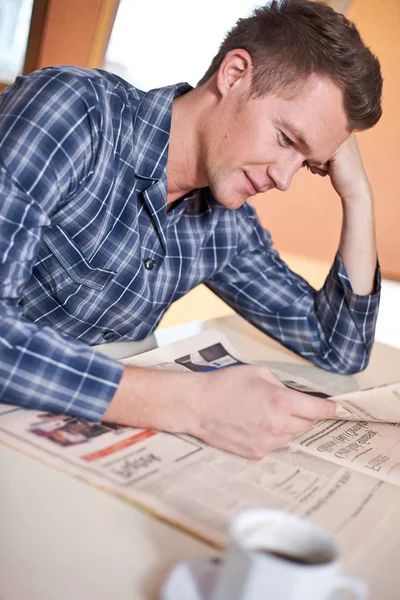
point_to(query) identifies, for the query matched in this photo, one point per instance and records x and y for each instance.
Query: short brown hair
(292, 39)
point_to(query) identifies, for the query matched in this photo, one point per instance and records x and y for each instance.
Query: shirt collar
(152, 130)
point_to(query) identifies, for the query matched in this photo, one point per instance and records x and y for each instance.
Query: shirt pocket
(72, 261)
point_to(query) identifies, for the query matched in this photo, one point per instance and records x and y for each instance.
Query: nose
(282, 173)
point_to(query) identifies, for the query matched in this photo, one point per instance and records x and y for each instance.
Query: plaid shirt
(88, 252)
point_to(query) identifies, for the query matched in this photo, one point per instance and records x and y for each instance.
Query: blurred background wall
(315, 214)
(156, 43)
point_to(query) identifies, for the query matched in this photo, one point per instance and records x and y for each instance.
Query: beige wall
(306, 219)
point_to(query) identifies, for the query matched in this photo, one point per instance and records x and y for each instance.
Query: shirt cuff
(356, 302)
(98, 386)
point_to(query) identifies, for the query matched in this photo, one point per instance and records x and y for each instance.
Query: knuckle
(265, 373)
(281, 402)
(276, 426)
(275, 422)
(264, 370)
(261, 371)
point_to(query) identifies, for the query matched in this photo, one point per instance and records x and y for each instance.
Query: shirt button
(149, 264)
(109, 335)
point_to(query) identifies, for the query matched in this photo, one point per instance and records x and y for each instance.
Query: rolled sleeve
(333, 327)
(348, 319)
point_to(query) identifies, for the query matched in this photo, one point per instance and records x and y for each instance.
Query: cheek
(224, 152)
(233, 137)
(238, 139)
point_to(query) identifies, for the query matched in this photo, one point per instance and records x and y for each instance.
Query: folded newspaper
(343, 473)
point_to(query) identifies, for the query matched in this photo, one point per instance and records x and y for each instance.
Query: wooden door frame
(77, 33)
(105, 22)
(37, 25)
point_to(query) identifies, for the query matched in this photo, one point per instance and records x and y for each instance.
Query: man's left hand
(346, 171)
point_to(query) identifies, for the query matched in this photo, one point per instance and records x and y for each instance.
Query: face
(258, 144)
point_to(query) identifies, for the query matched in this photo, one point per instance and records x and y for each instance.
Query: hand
(357, 246)
(246, 410)
(346, 171)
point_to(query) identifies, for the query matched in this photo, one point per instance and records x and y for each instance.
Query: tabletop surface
(62, 539)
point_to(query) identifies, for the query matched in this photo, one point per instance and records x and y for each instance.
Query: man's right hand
(245, 410)
(248, 411)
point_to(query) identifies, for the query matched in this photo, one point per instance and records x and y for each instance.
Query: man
(114, 203)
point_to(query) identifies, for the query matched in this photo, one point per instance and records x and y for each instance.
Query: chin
(229, 200)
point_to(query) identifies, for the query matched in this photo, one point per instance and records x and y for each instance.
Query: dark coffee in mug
(311, 559)
(280, 555)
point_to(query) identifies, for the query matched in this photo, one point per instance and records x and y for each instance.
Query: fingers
(299, 425)
(311, 407)
(318, 171)
(270, 416)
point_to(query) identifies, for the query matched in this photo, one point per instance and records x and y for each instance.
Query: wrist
(154, 399)
(359, 195)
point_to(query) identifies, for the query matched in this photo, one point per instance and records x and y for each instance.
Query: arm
(357, 246)
(244, 409)
(357, 242)
(46, 144)
(333, 327)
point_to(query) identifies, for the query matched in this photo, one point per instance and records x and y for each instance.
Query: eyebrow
(298, 135)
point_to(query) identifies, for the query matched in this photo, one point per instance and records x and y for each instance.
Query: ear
(235, 72)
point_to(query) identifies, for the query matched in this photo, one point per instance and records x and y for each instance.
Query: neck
(185, 170)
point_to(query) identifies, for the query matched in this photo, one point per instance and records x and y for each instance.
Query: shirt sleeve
(333, 327)
(47, 140)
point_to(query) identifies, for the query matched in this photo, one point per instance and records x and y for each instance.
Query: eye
(285, 140)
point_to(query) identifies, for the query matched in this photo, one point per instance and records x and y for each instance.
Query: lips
(250, 185)
(256, 188)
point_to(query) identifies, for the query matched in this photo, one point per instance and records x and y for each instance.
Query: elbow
(350, 365)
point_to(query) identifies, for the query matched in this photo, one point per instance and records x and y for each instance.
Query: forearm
(243, 409)
(334, 327)
(155, 399)
(44, 370)
(357, 246)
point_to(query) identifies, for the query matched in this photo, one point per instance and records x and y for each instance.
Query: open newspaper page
(369, 447)
(366, 445)
(381, 403)
(199, 488)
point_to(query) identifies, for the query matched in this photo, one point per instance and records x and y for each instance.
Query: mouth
(253, 187)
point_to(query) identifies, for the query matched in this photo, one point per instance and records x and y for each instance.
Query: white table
(62, 539)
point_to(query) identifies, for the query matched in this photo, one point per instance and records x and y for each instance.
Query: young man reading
(115, 202)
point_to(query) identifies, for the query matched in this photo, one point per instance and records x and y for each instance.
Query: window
(160, 43)
(15, 19)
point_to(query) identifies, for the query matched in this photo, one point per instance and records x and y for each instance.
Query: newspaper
(344, 475)
(376, 404)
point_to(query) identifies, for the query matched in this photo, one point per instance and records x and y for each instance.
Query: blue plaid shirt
(88, 252)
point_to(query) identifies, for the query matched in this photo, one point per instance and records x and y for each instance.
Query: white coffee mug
(275, 555)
